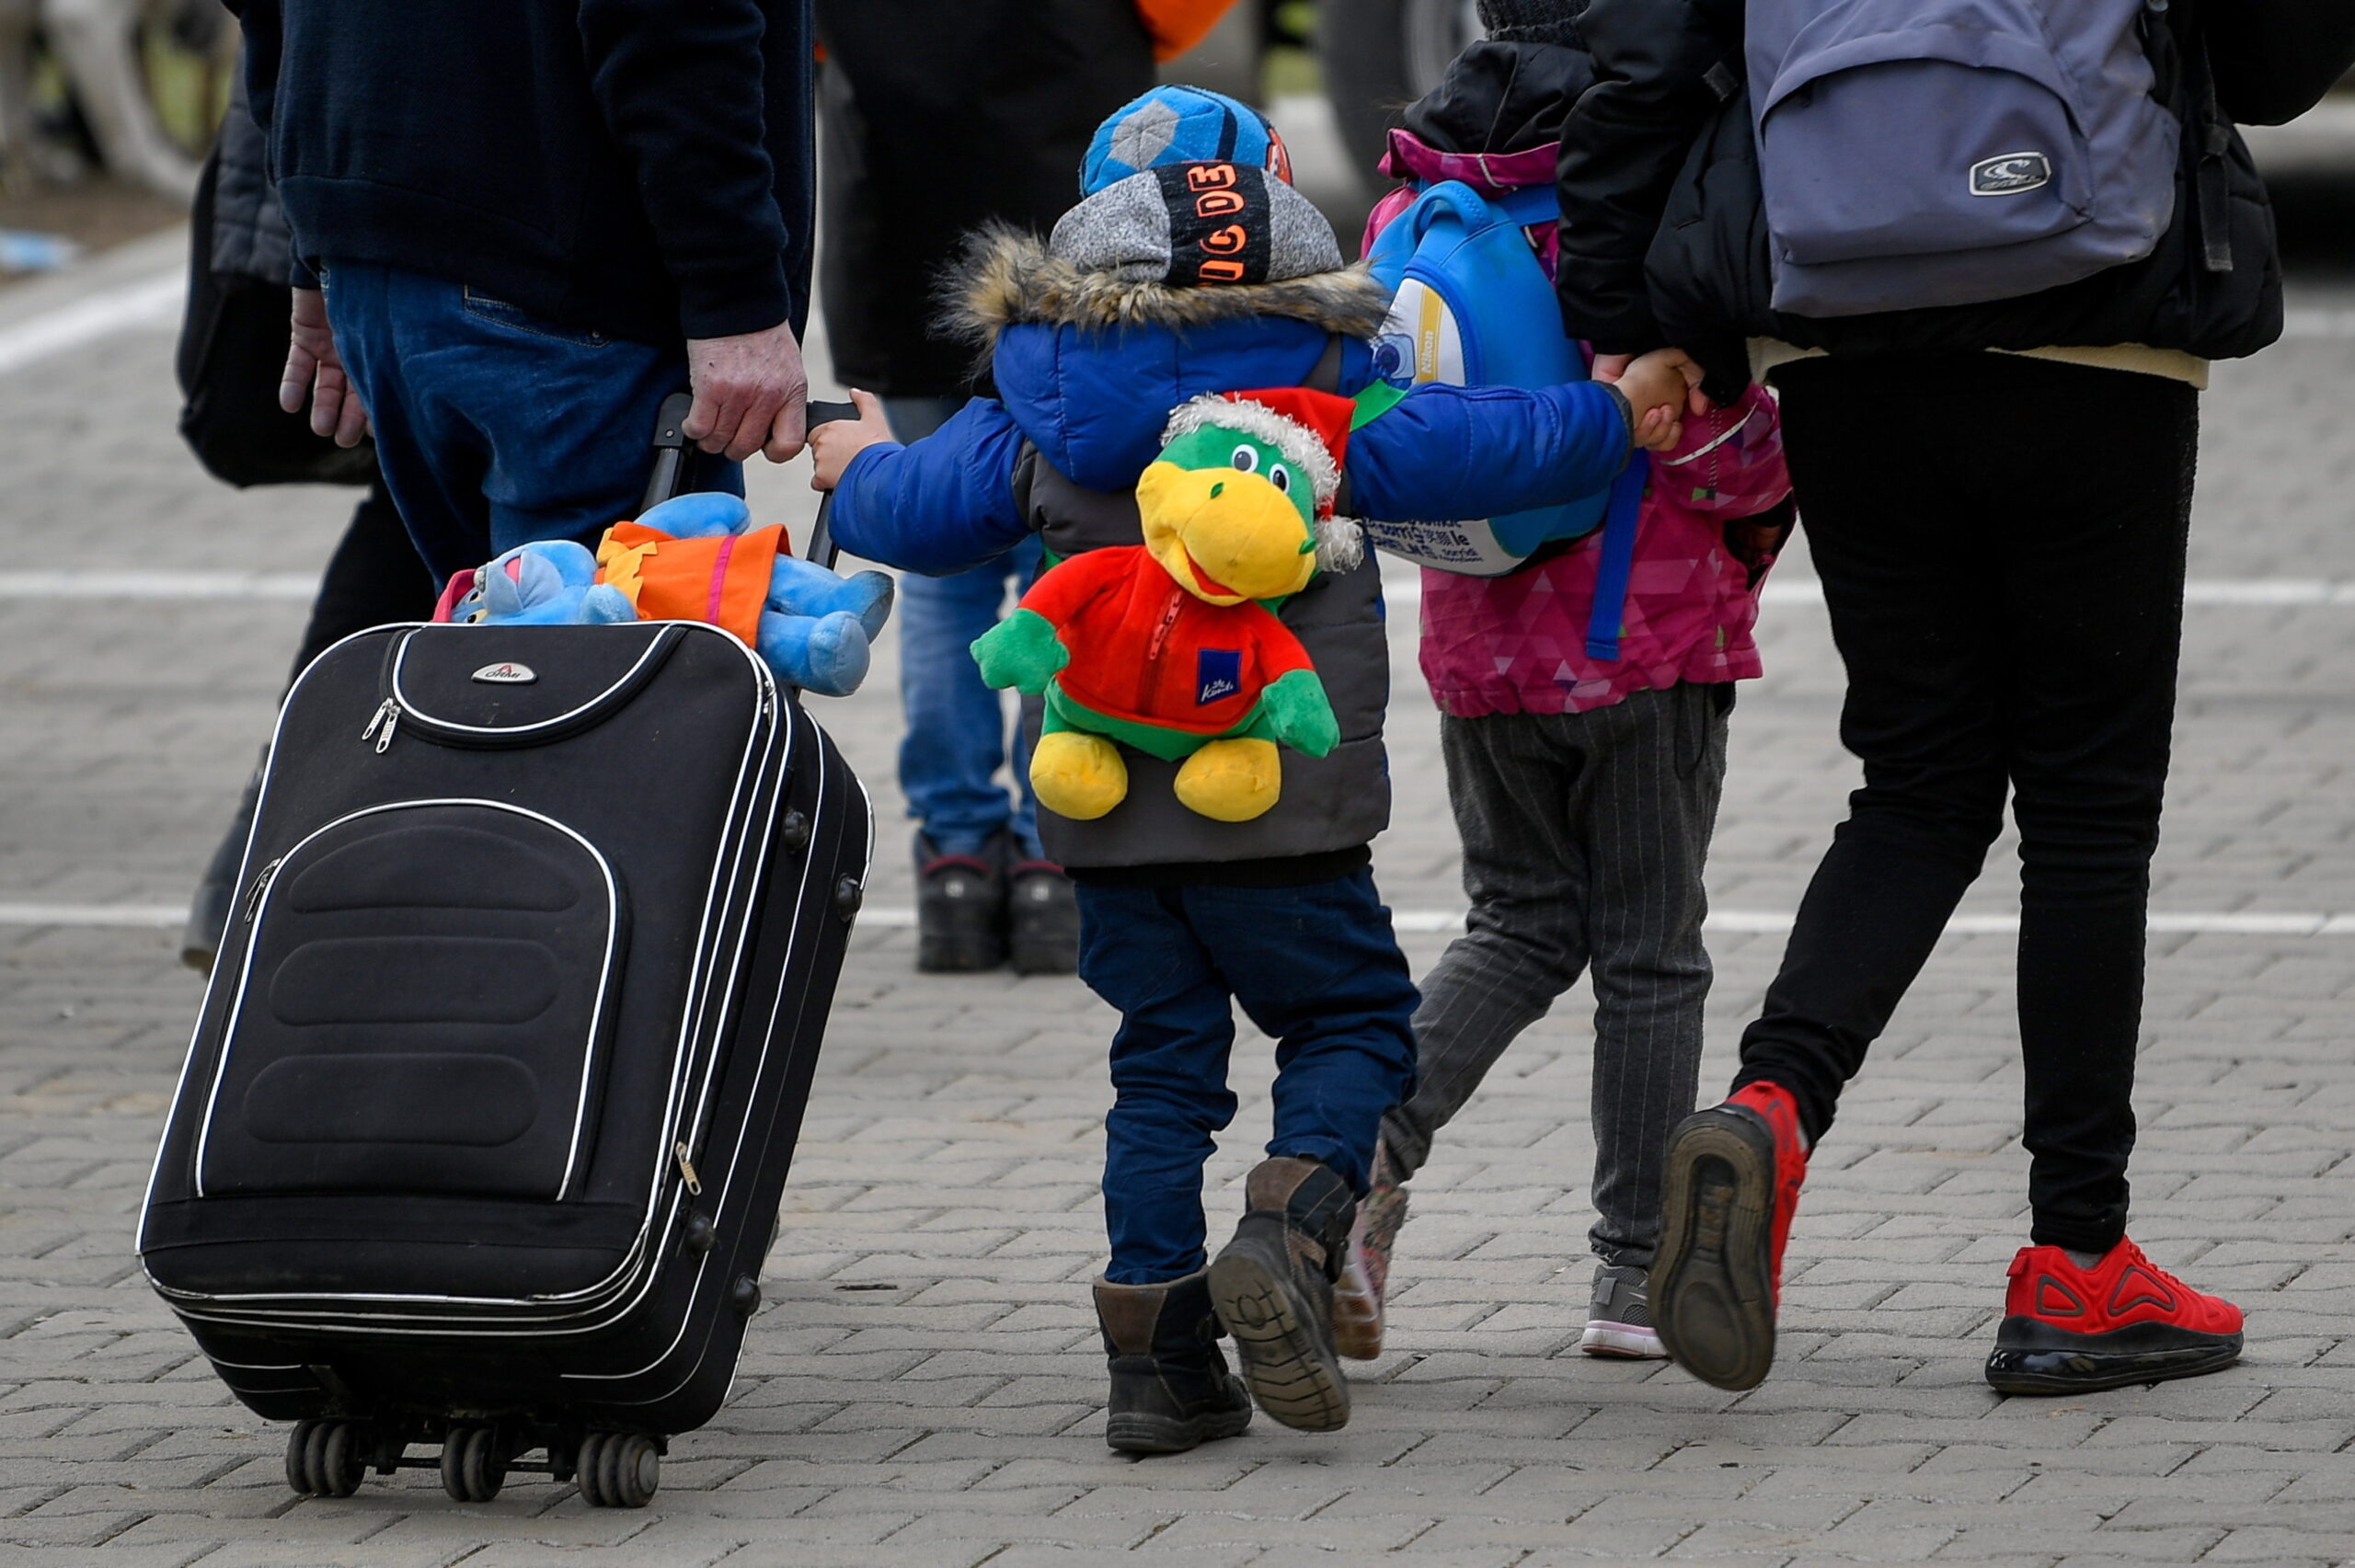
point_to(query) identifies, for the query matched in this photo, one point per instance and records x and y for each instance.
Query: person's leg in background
(1658, 762)
(1885, 457)
(1516, 784)
(2093, 603)
(1171, 1389)
(984, 889)
(374, 578)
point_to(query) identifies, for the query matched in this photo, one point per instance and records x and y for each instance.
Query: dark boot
(1044, 915)
(1273, 1287)
(216, 896)
(961, 909)
(1171, 1391)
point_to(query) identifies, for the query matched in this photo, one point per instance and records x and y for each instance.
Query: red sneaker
(2126, 1320)
(1732, 1184)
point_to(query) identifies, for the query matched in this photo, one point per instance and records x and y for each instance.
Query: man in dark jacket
(943, 115)
(2001, 537)
(530, 221)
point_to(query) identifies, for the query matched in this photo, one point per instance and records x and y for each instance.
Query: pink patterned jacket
(1517, 644)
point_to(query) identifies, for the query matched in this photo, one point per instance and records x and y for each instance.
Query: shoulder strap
(1626, 511)
(1327, 375)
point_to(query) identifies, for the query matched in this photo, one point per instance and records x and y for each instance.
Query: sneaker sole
(1283, 1363)
(2031, 1357)
(1713, 1281)
(1621, 1342)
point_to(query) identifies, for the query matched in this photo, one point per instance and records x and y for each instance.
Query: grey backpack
(1917, 152)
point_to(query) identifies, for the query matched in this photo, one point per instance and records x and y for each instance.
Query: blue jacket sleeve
(939, 505)
(1443, 452)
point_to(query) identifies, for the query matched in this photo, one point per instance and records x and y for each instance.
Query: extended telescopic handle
(671, 446)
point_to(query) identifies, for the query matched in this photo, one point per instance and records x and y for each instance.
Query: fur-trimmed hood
(1008, 278)
(1090, 365)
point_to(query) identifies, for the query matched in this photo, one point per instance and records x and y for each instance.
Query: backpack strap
(1326, 375)
(1611, 573)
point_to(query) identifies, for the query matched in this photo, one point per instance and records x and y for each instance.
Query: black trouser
(2002, 546)
(375, 576)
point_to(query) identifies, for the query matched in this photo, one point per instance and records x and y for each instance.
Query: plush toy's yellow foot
(1078, 776)
(1230, 781)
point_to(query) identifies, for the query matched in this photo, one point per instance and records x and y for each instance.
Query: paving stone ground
(924, 1387)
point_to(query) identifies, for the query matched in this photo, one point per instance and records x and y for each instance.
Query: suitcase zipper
(687, 1168)
(261, 886)
(388, 714)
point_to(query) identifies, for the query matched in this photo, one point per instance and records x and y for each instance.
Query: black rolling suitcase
(485, 1124)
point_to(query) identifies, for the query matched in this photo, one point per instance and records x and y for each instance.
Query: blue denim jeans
(957, 732)
(495, 427)
(1315, 965)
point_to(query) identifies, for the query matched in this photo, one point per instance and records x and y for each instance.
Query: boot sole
(1713, 1281)
(1168, 1434)
(1294, 1379)
(2031, 1357)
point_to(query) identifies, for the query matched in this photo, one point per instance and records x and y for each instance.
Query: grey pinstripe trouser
(1584, 840)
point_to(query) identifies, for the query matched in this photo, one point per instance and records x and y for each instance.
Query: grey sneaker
(1619, 1320)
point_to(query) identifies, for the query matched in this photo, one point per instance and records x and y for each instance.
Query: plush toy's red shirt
(1146, 650)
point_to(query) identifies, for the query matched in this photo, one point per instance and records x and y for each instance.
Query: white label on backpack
(1420, 341)
(1468, 549)
(2009, 174)
(507, 673)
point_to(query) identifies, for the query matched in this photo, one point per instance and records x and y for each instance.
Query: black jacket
(640, 166)
(942, 116)
(1658, 182)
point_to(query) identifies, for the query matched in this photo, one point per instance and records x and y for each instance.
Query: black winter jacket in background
(1659, 182)
(639, 167)
(941, 116)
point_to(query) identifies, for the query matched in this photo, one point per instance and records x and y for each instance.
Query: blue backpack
(1471, 305)
(1922, 152)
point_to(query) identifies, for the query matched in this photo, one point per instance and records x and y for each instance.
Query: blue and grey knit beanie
(1180, 125)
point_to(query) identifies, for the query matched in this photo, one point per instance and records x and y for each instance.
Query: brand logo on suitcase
(507, 673)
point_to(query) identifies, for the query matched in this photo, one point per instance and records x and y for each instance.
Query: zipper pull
(687, 1168)
(388, 714)
(261, 884)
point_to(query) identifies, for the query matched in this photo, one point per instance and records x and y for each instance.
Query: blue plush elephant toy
(692, 558)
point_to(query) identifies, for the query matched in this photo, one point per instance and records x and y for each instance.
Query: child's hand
(835, 442)
(1659, 386)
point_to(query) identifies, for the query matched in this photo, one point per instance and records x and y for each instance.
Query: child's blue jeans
(1315, 965)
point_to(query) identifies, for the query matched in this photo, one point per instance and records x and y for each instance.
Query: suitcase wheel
(474, 1463)
(619, 1469)
(327, 1459)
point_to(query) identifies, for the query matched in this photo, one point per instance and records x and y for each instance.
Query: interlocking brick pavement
(923, 1386)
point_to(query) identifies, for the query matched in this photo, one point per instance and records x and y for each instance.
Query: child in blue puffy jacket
(1191, 265)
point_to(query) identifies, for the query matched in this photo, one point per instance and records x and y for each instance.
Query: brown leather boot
(1273, 1287)
(1171, 1391)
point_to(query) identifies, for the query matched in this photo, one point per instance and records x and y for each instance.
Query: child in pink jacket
(1585, 789)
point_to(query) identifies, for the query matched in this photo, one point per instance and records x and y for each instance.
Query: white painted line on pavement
(92, 914)
(150, 301)
(159, 585)
(1746, 922)
(173, 583)
(2309, 322)
(2271, 592)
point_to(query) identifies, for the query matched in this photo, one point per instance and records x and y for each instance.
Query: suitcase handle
(670, 447)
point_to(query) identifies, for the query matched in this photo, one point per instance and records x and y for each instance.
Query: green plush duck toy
(1171, 646)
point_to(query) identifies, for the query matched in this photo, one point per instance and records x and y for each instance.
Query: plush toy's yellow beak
(1226, 535)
